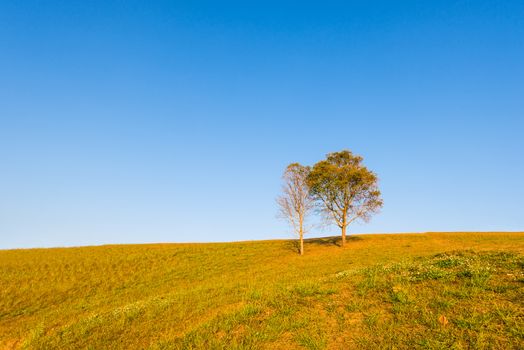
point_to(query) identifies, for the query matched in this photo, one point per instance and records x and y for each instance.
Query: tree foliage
(346, 189)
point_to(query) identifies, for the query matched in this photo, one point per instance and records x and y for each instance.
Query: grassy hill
(434, 291)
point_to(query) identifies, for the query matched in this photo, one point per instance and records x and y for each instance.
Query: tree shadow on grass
(325, 241)
(330, 241)
(294, 245)
(336, 241)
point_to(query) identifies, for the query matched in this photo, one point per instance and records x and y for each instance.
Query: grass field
(431, 291)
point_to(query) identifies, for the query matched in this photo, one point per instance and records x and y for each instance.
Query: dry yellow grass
(390, 291)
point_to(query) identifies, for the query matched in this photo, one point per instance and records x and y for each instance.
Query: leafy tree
(296, 203)
(345, 188)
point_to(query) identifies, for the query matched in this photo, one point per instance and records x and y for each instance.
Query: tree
(346, 189)
(295, 202)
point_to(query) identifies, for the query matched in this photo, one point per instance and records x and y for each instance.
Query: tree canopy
(345, 188)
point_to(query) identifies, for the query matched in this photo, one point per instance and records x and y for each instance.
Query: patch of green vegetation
(430, 291)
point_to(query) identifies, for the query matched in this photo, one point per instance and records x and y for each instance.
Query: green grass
(428, 291)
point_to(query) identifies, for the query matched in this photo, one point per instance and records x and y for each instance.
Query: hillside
(434, 291)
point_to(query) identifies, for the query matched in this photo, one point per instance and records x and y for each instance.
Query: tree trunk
(301, 233)
(301, 242)
(344, 235)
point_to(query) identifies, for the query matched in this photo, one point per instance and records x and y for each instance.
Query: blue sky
(173, 121)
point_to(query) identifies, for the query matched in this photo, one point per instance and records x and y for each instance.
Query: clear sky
(172, 121)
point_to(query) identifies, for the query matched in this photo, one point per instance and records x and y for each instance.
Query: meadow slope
(433, 290)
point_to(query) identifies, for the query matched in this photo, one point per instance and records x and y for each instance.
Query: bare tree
(295, 202)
